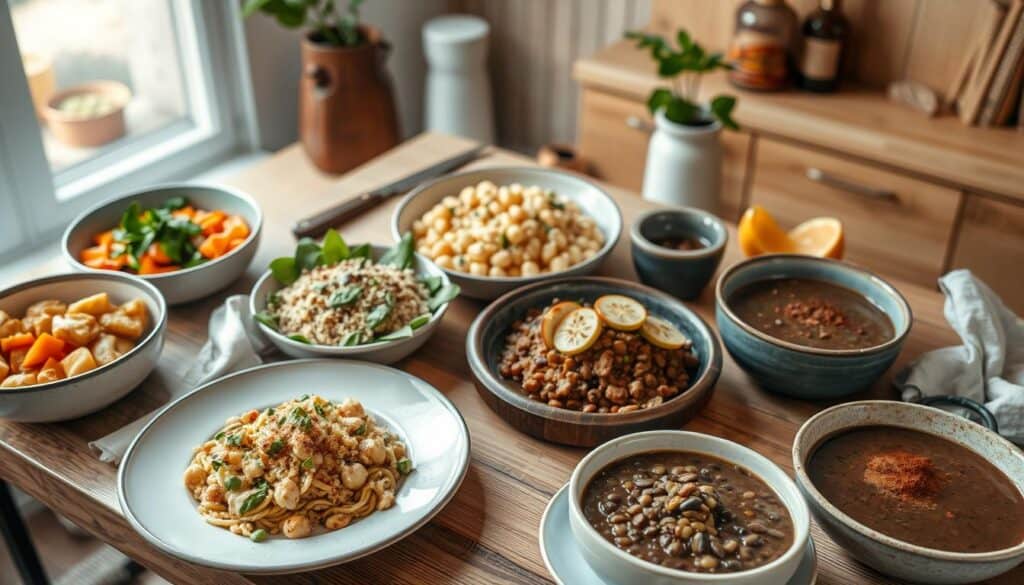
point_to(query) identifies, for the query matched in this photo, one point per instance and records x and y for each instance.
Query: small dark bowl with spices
(809, 327)
(677, 250)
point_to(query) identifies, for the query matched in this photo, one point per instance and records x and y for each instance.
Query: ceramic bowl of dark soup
(915, 492)
(810, 327)
(683, 508)
(677, 250)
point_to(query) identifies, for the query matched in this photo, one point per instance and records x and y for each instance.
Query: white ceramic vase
(684, 165)
(458, 92)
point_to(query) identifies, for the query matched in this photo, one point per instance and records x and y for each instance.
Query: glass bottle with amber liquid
(825, 34)
(762, 50)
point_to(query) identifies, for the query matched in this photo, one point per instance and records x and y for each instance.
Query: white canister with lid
(458, 92)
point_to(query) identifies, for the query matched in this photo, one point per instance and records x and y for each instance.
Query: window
(112, 95)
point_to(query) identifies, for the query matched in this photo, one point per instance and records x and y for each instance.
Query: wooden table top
(488, 533)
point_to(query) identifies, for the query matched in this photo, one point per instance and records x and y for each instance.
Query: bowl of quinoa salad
(369, 302)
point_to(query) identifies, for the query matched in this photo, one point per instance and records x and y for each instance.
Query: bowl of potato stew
(73, 343)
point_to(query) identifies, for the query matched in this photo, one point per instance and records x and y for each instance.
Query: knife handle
(316, 225)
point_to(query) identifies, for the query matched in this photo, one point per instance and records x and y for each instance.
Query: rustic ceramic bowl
(188, 284)
(485, 342)
(381, 352)
(886, 554)
(593, 201)
(88, 131)
(74, 397)
(682, 273)
(800, 371)
(618, 566)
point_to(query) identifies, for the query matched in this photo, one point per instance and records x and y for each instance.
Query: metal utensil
(316, 225)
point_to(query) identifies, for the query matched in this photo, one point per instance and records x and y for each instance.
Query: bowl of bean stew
(677, 507)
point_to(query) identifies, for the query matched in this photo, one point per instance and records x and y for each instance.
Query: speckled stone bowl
(886, 554)
(797, 370)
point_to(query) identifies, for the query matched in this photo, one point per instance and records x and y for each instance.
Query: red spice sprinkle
(902, 474)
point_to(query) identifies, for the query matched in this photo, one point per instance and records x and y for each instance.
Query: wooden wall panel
(990, 245)
(941, 38)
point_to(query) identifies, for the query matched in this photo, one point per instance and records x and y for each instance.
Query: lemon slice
(577, 331)
(552, 317)
(663, 334)
(621, 312)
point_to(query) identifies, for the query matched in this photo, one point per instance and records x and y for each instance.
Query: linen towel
(988, 367)
(234, 343)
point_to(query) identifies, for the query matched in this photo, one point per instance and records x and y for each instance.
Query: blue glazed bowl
(681, 273)
(800, 371)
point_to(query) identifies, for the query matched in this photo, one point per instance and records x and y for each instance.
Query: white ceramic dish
(592, 200)
(884, 553)
(617, 566)
(74, 397)
(155, 501)
(188, 284)
(565, 563)
(382, 352)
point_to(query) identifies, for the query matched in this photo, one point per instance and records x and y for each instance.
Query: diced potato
(10, 326)
(5, 368)
(78, 362)
(107, 348)
(16, 357)
(122, 325)
(135, 308)
(48, 307)
(50, 372)
(94, 305)
(19, 380)
(38, 324)
(75, 328)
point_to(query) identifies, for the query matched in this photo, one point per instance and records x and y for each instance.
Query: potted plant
(684, 157)
(346, 104)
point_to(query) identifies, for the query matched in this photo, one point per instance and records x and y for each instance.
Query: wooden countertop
(854, 121)
(488, 533)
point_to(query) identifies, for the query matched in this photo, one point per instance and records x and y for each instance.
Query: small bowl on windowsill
(88, 115)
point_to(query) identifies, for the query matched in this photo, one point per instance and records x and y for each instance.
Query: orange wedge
(821, 236)
(759, 234)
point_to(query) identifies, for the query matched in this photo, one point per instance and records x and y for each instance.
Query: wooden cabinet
(991, 244)
(894, 224)
(613, 135)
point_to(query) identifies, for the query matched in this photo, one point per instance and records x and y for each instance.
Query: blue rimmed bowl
(797, 370)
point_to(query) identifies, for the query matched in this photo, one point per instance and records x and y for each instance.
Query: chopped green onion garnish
(404, 466)
(259, 535)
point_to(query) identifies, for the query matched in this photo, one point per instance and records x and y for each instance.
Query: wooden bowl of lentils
(579, 361)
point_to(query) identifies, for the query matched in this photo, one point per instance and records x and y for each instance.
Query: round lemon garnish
(552, 317)
(663, 334)
(621, 312)
(577, 331)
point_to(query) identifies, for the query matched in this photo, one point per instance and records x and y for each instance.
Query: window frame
(211, 48)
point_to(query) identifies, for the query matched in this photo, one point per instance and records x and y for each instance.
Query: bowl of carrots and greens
(189, 241)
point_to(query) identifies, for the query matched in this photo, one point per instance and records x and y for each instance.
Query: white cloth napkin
(988, 367)
(234, 343)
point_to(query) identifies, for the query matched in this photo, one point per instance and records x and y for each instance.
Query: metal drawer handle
(638, 123)
(824, 178)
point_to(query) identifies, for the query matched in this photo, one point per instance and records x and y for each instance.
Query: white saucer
(566, 564)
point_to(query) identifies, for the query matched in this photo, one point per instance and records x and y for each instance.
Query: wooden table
(488, 533)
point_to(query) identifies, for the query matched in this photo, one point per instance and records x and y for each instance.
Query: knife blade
(319, 223)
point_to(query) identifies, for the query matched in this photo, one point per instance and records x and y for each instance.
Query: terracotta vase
(346, 104)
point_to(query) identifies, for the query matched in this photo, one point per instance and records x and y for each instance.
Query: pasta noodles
(302, 464)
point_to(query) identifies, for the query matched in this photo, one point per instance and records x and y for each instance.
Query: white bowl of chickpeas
(496, 229)
(72, 344)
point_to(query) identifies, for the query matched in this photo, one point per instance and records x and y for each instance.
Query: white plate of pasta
(294, 466)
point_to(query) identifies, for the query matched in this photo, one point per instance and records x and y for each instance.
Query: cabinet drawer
(616, 145)
(894, 224)
(991, 244)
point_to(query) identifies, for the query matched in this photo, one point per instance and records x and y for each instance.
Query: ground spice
(902, 474)
(817, 317)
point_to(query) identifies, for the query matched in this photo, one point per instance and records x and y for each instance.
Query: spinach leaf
(300, 339)
(378, 314)
(354, 338)
(255, 498)
(307, 254)
(174, 203)
(361, 251)
(433, 283)
(403, 333)
(130, 219)
(442, 296)
(345, 296)
(420, 321)
(232, 483)
(400, 255)
(267, 319)
(285, 270)
(335, 249)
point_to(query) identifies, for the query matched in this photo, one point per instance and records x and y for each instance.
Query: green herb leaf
(400, 255)
(403, 333)
(682, 111)
(554, 202)
(300, 338)
(361, 430)
(234, 440)
(361, 251)
(503, 241)
(300, 418)
(420, 321)
(345, 296)
(307, 463)
(130, 219)
(722, 107)
(404, 466)
(275, 447)
(446, 294)
(232, 483)
(433, 283)
(256, 498)
(258, 535)
(319, 409)
(378, 315)
(174, 203)
(303, 397)
(334, 248)
(266, 319)
(354, 338)
(219, 436)
(216, 464)
(308, 255)
(285, 270)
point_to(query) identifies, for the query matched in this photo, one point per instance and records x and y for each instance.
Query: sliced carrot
(214, 246)
(187, 212)
(149, 266)
(156, 252)
(235, 243)
(43, 348)
(17, 340)
(235, 227)
(212, 223)
(199, 216)
(101, 251)
(107, 263)
(104, 239)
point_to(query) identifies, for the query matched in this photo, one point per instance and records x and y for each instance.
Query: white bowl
(381, 352)
(188, 284)
(593, 201)
(93, 390)
(618, 566)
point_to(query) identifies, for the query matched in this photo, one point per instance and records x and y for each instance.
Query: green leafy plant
(684, 66)
(329, 24)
